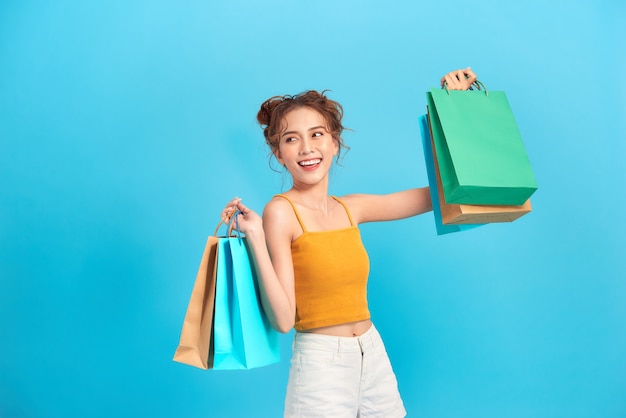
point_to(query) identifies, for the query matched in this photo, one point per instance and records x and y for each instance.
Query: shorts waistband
(364, 342)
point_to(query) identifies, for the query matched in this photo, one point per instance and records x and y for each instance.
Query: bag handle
(480, 86)
(233, 224)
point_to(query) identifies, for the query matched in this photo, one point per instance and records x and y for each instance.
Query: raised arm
(399, 205)
(270, 235)
(407, 203)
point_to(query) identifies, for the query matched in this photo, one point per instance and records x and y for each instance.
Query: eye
(290, 139)
(317, 134)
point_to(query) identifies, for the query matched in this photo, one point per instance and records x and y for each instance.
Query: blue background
(126, 125)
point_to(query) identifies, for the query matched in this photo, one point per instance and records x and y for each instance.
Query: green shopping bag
(242, 335)
(481, 156)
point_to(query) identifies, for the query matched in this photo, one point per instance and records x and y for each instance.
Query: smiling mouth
(310, 163)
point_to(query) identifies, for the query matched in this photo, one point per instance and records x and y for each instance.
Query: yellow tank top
(330, 274)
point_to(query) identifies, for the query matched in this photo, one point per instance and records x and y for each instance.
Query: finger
(462, 83)
(470, 76)
(460, 75)
(230, 209)
(452, 81)
(460, 79)
(243, 208)
(246, 211)
(227, 213)
(448, 79)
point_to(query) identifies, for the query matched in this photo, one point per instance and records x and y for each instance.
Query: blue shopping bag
(243, 337)
(432, 181)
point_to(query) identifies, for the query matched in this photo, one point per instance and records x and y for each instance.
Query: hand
(230, 209)
(459, 79)
(249, 221)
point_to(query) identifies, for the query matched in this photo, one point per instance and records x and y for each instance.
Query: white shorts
(342, 377)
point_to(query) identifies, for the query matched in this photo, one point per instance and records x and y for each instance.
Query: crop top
(330, 275)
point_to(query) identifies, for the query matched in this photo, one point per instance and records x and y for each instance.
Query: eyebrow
(315, 128)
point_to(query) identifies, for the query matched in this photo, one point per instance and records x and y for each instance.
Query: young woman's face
(306, 148)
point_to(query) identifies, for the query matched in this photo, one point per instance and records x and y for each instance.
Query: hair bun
(264, 117)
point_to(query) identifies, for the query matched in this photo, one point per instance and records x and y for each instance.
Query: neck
(311, 196)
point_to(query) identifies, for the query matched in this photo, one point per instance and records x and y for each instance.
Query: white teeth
(310, 162)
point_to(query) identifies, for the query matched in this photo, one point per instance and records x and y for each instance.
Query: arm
(266, 236)
(404, 204)
(399, 205)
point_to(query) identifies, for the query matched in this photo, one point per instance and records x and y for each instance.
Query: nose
(305, 147)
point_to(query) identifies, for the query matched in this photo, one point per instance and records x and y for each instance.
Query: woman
(312, 265)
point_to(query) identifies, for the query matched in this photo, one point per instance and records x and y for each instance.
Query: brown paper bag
(473, 214)
(195, 347)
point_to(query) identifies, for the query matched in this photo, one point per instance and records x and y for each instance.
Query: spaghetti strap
(296, 211)
(346, 208)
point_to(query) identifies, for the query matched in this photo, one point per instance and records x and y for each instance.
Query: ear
(278, 157)
(335, 146)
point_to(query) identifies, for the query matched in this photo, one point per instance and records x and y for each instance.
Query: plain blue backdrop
(126, 125)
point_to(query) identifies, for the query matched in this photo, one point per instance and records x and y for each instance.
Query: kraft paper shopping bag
(194, 348)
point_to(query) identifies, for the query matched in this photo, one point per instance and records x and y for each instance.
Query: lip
(310, 164)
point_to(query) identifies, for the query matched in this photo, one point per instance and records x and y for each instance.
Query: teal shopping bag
(432, 182)
(224, 355)
(253, 334)
(482, 159)
(242, 335)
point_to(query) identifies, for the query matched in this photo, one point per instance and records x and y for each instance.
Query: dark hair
(271, 116)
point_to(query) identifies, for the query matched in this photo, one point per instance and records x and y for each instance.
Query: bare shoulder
(358, 203)
(277, 209)
(278, 216)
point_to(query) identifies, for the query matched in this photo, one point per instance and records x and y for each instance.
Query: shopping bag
(452, 213)
(224, 314)
(481, 156)
(432, 181)
(243, 336)
(195, 337)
